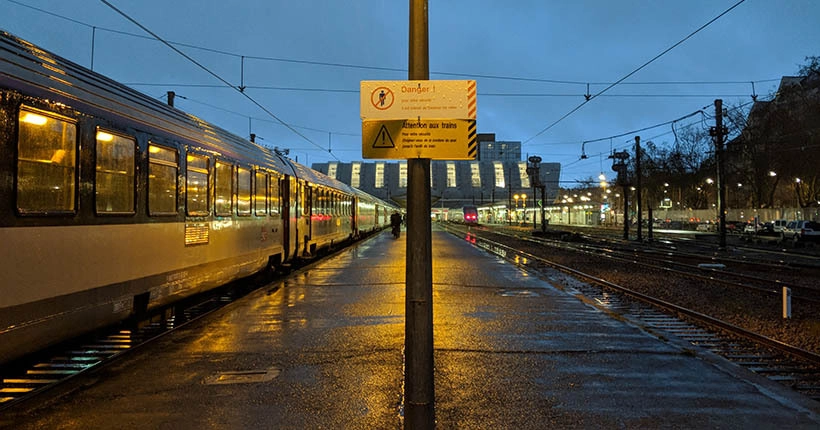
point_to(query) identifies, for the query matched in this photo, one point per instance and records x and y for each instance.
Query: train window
(46, 163)
(114, 182)
(315, 202)
(224, 188)
(163, 166)
(260, 194)
(243, 192)
(306, 203)
(292, 200)
(275, 196)
(196, 189)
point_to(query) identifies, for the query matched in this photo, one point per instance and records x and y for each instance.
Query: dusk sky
(532, 61)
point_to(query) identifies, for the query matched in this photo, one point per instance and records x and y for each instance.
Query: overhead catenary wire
(239, 114)
(746, 82)
(482, 94)
(387, 69)
(266, 110)
(627, 144)
(556, 122)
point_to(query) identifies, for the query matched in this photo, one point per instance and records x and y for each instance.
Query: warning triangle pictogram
(383, 139)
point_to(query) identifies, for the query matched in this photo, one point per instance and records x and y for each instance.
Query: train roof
(25, 66)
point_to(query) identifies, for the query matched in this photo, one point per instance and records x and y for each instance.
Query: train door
(311, 196)
(297, 198)
(287, 189)
(354, 216)
(305, 225)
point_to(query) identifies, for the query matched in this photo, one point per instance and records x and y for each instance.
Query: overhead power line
(388, 69)
(239, 114)
(271, 114)
(646, 128)
(357, 91)
(553, 124)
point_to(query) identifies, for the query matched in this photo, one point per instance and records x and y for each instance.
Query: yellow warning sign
(440, 139)
(383, 139)
(418, 99)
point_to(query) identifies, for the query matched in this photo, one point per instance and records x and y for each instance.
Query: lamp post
(524, 204)
(509, 196)
(534, 172)
(516, 197)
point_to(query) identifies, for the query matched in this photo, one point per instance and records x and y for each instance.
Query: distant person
(395, 223)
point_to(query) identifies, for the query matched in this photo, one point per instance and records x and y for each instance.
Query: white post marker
(787, 303)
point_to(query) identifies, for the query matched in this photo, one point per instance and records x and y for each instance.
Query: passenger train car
(113, 203)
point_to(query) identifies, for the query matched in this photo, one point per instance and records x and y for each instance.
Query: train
(114, 204)
(470, 214)
(467, 214)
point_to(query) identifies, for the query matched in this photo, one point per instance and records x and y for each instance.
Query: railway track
(769, 277)
(769, 247)
(779, 361)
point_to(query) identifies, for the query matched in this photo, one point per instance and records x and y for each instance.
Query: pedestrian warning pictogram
(383, 139)
(382, 98)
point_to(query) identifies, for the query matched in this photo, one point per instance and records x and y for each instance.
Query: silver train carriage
(113, 203)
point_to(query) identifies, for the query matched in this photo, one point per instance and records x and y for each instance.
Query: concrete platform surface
(323, 350)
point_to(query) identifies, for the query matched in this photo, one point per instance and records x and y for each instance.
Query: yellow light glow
(58, 156)
(104, 137)
(154, 149)
(33, 118)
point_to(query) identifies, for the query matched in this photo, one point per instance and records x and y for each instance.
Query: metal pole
(534, 202)
(626, 212)
(509, 197)
(543, 203)
(419, 408)
(721, 197)
(93, 42)
(638, 184)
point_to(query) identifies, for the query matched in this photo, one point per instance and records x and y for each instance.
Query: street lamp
(524, 204)
(516, 197)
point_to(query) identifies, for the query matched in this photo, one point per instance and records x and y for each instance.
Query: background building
(491, 150)
(494, 180)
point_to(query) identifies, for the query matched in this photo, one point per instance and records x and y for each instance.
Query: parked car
(706, 226)
(734, 226)
(801, 231)
(778, 224)
(752, 228)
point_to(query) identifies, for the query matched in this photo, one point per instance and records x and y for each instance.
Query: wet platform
(324, 350)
